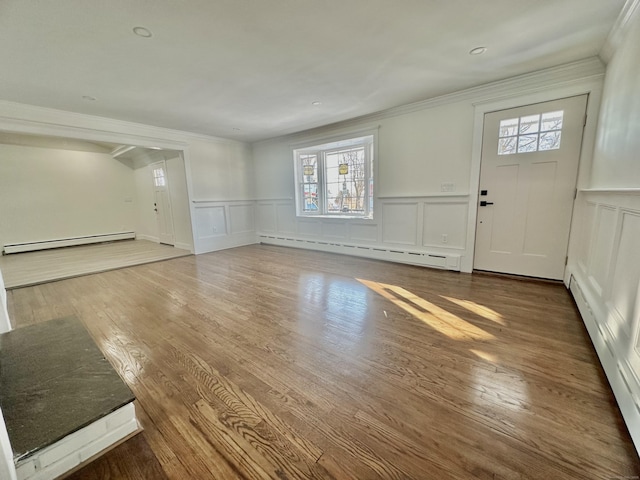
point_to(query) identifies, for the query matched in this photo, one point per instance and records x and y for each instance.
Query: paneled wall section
(224, 224)
(427, 230)
(604, 274)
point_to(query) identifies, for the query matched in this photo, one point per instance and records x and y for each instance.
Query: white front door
(530, 158)
(162, 203)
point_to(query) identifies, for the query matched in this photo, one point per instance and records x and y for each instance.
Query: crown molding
(23, 118)
(588, 68)
(611, 44)
(32, 119)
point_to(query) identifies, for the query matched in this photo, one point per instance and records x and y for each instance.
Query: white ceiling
(250, 69)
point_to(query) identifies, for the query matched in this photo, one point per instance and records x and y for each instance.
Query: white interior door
(162, 203)
(530, 158)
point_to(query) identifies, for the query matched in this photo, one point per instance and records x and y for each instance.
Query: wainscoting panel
(224, 224)
(604, 279)
(586, 233)
(266, 217)
(603, 242)
(309, 228)
(445, 224)
(335, 230)
(400, 223)
(241, 218)
(211, 221)
(285, 218)
(625, 274)
(365, 233)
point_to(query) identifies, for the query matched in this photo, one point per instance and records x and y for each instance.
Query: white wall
(177, 180)
(604, 259)
(218, 171)
(222, 194)
(7, 468)
(5, 323)
(146, 225)
(49, 193)
(616, 162)
(420, 148)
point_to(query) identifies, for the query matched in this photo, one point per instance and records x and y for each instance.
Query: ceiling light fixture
(142, 32)
(89, 98)
(477, 51)
(316, 103)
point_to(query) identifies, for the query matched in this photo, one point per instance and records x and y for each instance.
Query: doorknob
(484, 204)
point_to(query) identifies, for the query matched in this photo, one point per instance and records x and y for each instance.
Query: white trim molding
(591, 85)
(617, 32)
(603, 273)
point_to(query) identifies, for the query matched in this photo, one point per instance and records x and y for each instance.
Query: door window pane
(158, 177)
(552, 121)
(509, 127)
(550, 140)
(527, 143)
(507, 146)
(530, 133)
(529, 124)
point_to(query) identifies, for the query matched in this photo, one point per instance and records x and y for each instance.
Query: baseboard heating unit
(447, 261)
(66, 242)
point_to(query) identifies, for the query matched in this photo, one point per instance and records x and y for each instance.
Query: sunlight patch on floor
(489, 357)
(478, 309)
(436, 317)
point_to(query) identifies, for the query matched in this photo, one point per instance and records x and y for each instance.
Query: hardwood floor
(32, 268)
(267, 362)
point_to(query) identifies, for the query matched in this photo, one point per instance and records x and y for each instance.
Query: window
(158, 177)
(531, 133)
(335, 179)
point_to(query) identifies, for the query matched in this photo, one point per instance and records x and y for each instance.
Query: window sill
(337, 217)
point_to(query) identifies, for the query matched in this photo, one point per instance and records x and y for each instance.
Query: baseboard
(66, 242)
(444, 261)
(101, 453)
(222, 242)
(619, 373)
(150, 238)
(184, 246)
(80, 446)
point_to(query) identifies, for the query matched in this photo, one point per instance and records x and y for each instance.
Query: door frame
(591, 85)
(168, 190)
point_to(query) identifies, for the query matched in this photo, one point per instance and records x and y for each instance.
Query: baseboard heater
(66, 242)
(446, 261)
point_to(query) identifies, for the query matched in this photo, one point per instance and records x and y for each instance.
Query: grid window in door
(531, 133)
(158, 177)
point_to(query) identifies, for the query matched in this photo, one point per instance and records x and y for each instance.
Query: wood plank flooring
(32, 268)
(267, 362)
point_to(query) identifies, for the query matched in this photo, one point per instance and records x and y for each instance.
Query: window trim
(315, 146)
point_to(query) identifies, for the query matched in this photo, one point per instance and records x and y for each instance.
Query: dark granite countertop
(53, 381)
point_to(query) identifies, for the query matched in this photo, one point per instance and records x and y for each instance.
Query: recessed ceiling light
(89, 98)
(155, 148)
(477, 51)
(142, 32)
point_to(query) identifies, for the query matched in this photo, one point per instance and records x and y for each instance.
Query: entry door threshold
(513, 276)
